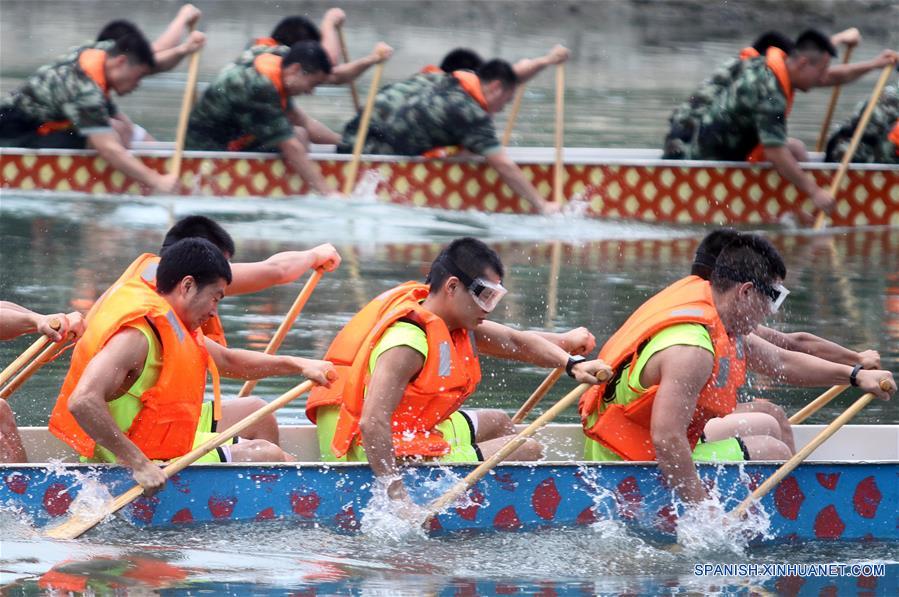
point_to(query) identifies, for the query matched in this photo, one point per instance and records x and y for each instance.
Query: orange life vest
(432, 69)
(625, 429)
(893, 136)
(93, 62)
(450, 374)
(266, 41)
(749, 52)
(775, 59)
(165, 426)
(471, 84)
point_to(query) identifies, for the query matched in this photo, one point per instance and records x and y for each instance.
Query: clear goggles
(486, 294)
(777, 293)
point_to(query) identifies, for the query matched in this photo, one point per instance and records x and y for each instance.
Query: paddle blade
(77, 525)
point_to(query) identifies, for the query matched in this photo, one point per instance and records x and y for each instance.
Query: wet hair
(199, 227)
(747, 258)
(469, 255)
(136, 47)
(295, 29)
(194, 257)
(113, 30)
(813, 41)
(708, 250)
(461, 59)
(498, 70)
(310, 56)
(774, 39)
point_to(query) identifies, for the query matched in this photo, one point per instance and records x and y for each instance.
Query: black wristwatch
(572, 361)
(853, 377)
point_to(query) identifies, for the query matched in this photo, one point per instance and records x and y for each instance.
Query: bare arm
(787, 166)
(171, 37)
(334, 18)
(280, 268)
(512, 176)
(527, 68)
(811, 344)
(350, 71)
(169, 58)
(681, 372)
(297, 158)
(760, 405)
(841, 74)
(16, 321)
(109, 147)
(576, 341)
(248, 364)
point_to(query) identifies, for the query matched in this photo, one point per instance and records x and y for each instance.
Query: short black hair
(469, 255)
(310, 55)
(747, 258)
(498, 70)
(461, 59)
(136, 47)
(113, 30)
(708, 250)
(774, 39)
(295, 29)
(812, 40)
(199, 227)
(194, 257)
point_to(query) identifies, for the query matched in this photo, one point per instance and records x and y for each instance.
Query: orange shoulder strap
(775, 58)
(894, 136)
(472, 86)
(93, 62)
(265, 41)
(431, 69)
(269, 66)
(749, 52)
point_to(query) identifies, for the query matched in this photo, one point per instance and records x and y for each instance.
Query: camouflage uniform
(253, 50)
(240, 110)
(424, 112)
(874, 147)
(58, 92)
(748, 110)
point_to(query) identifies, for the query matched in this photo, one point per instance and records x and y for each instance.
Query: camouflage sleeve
(770, 113)
(477, 132)
(88, 111)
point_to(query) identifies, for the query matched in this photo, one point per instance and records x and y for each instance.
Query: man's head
(295, 29)
(498, 82)
(747, 283)
(708, 250)
(461, 59)
(192, 277)
(467, 279)
(304, 67)
(128, 62)
(113, 30)
(199, 227)
(810, 59)
(774, 39)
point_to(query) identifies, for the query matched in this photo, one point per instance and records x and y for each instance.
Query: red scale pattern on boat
(867, 498)
(471, 512)
(304, 504)
(629, 498)
(828, 524)
(267, 514)
(507, 519)
(143, 508)
(221, 507)
(57, 499)
(346, 519)
(182, 516)
(17, 483)
(545, 499)
(788, 498)
(828, 480)
(587, 516)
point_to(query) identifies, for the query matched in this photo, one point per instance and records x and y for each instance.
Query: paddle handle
(46, 355)
(834, 96)
(346, 58)
(187, 102)
(816, 404)
(513, 114)
(559, 167)
(28, 354)
(275, 343)
(513, 444)
(856, 138)
(361, 134)
(535, 398)
(797, 459)
(76, 526)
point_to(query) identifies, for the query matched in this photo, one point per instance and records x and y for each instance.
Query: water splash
(389, 519)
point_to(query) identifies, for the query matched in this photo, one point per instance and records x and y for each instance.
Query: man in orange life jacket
(679, 361)
(135, 387)
(67, 105)
(247, 108)
(16, 321)
(409, 360)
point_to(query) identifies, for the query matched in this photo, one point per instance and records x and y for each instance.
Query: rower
(247, 108)
(525, 69)
(680, 359)
(135, 386)
(67, 105)
(730, 122)
(880, 142)
(431, 111)
(16, 321)
(409, 360)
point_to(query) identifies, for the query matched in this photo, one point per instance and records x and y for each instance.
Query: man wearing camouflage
(248, 108)
(67, 104)
(429, 112)
(880, 142)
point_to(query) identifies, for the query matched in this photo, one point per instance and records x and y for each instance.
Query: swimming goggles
(486, 294)
(776, 293)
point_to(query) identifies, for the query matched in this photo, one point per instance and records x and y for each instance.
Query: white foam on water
(384, 518)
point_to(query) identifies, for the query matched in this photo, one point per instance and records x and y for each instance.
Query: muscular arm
(350, 71)
(760, 405)
(248, 364)
(847, 73)
(811, 344)
(787, 166)
(527, 68)
(109, 147)
(297, 159)
(280, 268)
(16, 320)
(681, 372)
(512, 176)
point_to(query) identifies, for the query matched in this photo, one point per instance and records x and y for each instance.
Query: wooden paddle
(834, 96)
(513, 114)
(439, 504)
(76, 525)
(350, 180)
(856, 137)
(48, 354)
(28, 354)
(275, 343)
(187, 103)
(559, 169)
(797, 459)
(816, 404)
(534, 399)
(346, 59)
